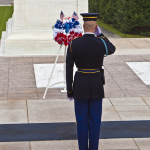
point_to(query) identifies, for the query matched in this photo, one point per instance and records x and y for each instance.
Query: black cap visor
(89, 16)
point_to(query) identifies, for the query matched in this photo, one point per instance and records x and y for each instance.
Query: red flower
(64, 39)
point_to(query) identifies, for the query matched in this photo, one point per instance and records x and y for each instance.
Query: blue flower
(71, 25)
(76, 22)
(59, 22)
(60, 26)
(56, 26)
(73, 20)
(64, 26)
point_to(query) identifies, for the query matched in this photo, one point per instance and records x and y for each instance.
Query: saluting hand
(97, 31)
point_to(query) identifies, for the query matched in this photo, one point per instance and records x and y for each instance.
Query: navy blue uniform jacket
(87, 52)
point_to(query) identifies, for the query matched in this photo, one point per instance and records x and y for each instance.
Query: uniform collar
(89, 34)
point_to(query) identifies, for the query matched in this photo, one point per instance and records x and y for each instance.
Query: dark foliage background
(126, 15)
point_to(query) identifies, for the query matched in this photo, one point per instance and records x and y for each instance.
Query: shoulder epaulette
(71, 43)
(103, 37)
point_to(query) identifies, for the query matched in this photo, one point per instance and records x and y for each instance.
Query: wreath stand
(62, 91)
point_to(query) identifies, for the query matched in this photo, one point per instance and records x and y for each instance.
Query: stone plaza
(50, 124)
(27, 122)
(5, 2)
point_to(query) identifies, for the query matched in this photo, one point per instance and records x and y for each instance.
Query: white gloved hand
(97, 31)
(70, 98)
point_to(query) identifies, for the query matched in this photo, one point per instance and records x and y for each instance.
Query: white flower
(55, 31)
(70, 20)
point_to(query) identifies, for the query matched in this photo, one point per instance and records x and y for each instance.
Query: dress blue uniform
(87, 52)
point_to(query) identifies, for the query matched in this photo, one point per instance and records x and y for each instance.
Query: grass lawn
(5, 13)
(109, 27)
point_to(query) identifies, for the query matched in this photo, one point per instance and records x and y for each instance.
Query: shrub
(125, 15)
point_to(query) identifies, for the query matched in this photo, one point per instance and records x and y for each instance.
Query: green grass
(109, 27)
(5, 13)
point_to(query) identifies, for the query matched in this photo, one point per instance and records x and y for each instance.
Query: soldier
(87, 52)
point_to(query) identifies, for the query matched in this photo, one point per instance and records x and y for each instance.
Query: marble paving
(53, 123)
(125, 116)
(18, 79)
(142, 69)
(43, 72)
(5, 2)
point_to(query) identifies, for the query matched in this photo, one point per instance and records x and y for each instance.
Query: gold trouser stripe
(89, 72)
(88, 69)
(89, 17)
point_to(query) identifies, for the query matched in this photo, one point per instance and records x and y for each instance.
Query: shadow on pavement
(67, 131)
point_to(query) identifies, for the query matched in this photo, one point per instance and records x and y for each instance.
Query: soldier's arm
(110, 46)
(69, 71)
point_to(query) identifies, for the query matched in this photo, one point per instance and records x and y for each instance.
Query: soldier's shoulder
(75, 39)
(103, 37)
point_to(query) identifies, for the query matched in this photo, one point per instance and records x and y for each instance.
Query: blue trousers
(88, 116)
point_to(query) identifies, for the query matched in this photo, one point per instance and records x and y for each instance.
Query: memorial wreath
(70, 26)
